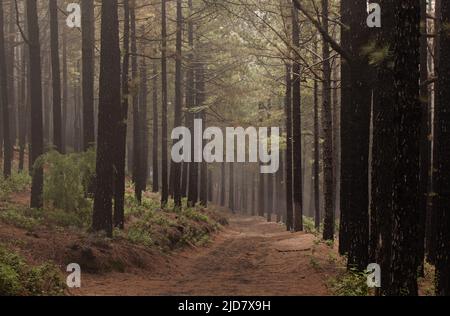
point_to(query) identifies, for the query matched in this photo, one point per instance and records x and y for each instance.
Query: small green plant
(309, 225)
(350, 283)
(140, 235)
(18, 218)
(17, 182)
(195, 215)
(67, 185)
(18, 278)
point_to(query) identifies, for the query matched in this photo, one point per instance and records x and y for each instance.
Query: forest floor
(227, 255)
(248, 257)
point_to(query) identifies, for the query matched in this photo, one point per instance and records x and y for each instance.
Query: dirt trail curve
(249, 257)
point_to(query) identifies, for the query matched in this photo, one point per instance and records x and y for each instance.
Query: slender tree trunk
(231, 188)
(200, 98)
(65, 93)
(108, 116)
(288, 113)
(120, 161)
(223, 184)
(11, 62)
(155, 181)
(56, 75)
(88, 45)
(297, 130)
(143, 177)
(346, 134)
(175, 170)
(328, 227)
(164, 158)
(431, 239)
(316, 163)
(190, 100)
(7, 148)
(425, 143)
(270, 177)
(37, 143)
(23, 108)
(136, 156)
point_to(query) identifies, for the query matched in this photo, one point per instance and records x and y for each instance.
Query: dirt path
(250, 257)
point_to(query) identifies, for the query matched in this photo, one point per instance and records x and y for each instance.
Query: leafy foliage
(350, 283)
(18, 278)
(18, 182)
(67, 182)
(152, 227)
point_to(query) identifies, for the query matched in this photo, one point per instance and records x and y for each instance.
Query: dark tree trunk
(252, 206)
(108, 116)
(222, 184)
(442, 154)
(406, 207)
(7, 148)
(56, 75)
(432, 216)
(346, 134)
(137, 150)
(11, 62)
(425, 143)
(37, 140)
(175, 170)
(288, 113)
(231, 205)
(280, 196)
(297, 130)
(46, 75)
(184, 177)
(328, 224)
(262, 178)
(200, 99)
(119, 176)
(23, 108)
(164, 158)
(155, 180)
(190, 100)
(88, 45)
(270, 178)
(316, 163)
(356, 145)
(143, 137)
(210, 186)
(65, 93)
(382, 153)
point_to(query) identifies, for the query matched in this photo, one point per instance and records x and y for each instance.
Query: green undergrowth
(18, 182)
(68, 203)
(149, 225)
(17, 278)
(350, 283)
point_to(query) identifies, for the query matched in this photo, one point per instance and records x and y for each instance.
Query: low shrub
(17, 182)
(350, 283)
(18, 278)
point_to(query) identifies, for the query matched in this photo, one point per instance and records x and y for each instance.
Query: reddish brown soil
(250, 257)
